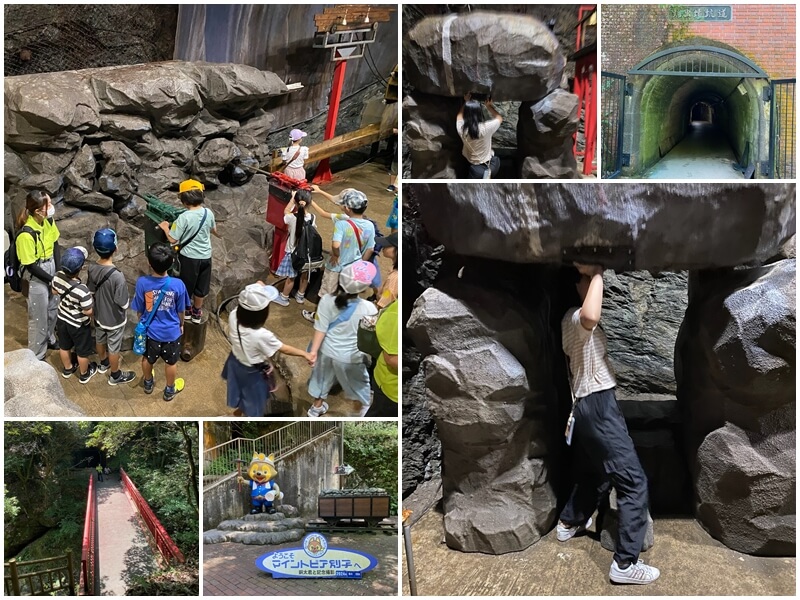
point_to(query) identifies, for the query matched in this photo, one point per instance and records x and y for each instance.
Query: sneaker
(90, 371)
(187, 314)
(170, 392)
(197, 315)
(102, 367)
(67, 373)
(148, 385)
(639, 573)
(124, 377)
(391, 188)
(564, 532)
(301, 298)
(282, 300)
(315, 411)
(309, 315)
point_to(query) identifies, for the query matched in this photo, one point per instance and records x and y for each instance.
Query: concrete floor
(691, 563)
(205, 391)
(704, 153)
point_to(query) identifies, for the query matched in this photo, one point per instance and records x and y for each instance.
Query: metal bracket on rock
(618, 258)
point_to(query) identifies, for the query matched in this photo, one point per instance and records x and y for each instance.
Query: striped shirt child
(73, 301)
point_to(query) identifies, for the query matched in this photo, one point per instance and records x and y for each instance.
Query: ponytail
(35, 200)
(343, 298)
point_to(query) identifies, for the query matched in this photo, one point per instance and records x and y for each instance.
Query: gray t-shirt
(111, 300)
(478, 152)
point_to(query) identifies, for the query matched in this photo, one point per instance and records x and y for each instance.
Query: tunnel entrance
(697, 111)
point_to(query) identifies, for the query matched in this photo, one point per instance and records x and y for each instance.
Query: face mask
(50, 211)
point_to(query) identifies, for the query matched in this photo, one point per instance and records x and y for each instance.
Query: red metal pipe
(323, 173)
(86, 584)
(591, 121)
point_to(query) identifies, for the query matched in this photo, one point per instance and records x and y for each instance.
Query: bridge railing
(220, 462)
(164, 543)
(89, 548)
(24, 578)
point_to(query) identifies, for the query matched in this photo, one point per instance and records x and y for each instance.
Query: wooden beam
(346, 142)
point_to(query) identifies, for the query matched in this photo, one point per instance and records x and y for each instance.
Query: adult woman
(334, 348)
(36, 248)
(476, 133)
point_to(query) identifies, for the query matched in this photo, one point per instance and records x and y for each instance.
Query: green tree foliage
(371, 449)
(10, 506)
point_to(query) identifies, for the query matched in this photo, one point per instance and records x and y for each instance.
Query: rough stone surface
(511, 57)
(665, 226)
(429, 130)
(91, 201)
(735, 368)
(544, 132)
(263, 529)
(492, 408)
(212, 157)
(421, 446)
(33, 388)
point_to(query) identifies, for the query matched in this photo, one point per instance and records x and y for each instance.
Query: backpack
(307, 255)
(13, 268)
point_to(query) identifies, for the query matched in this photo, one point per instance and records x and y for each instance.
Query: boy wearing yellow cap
(191, 232)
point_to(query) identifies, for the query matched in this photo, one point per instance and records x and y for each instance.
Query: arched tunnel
(701, 109)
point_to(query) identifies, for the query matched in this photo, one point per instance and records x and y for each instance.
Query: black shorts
(169, 351)
(196, 275)
(70, 337)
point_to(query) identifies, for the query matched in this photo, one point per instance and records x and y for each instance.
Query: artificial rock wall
(508, 56)
(719, 441)
(91, 138)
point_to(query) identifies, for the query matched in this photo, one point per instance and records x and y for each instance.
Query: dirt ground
(691, 562)
(205, 392)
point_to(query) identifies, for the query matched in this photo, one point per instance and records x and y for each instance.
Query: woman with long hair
(476, 134)
(36, 249)
(334, 348)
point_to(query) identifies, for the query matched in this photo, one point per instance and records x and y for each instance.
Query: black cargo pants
(607, 458)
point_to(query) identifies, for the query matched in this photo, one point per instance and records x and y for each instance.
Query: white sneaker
(563, 533)
(318, 411)
(639, 573)
(282, 300)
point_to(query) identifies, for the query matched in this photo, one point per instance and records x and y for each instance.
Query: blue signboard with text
(316, 559)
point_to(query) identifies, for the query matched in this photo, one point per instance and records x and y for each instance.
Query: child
(73, 327)
(111, 298)
(388, 291)
(192, 232)
(295, 155)
(353, 240)
(299, 200)
(166, 328)
(251, 348)
(334, 348)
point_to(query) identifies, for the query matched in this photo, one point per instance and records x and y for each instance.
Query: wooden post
(12, 566)
(70, 575)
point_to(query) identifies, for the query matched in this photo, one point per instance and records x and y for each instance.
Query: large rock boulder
(544, 133)
(33, 389)
(511, 57)
(652, 226)
(489, 392)
(735, 367)
(429, 129)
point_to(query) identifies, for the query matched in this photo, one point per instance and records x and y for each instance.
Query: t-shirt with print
(112, 299)
(166, 324)
(73, 301)
(588, 355)
(341, 342)
(478, 152)
(291, 222)
(184, 227)
(255, 345)
(386, 330)
(349, 251)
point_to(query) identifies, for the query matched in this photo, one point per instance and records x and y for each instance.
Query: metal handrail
(89, 545)
(221, 461)
(168, 549)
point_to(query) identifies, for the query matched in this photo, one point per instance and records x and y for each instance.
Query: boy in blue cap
(73, 327)
(111, 300)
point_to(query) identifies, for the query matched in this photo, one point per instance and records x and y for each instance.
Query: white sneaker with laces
(638, 573)
(564, 532)
(318, 411)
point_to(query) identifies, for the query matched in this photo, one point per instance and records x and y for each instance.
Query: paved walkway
(691, 563)
(123, 549)
(205, 392)
(703, 153)
(229, 570)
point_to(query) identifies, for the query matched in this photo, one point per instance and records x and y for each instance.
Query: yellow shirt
(386, 330)
(30, 251)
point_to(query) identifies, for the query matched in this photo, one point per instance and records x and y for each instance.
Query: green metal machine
(157, 211)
